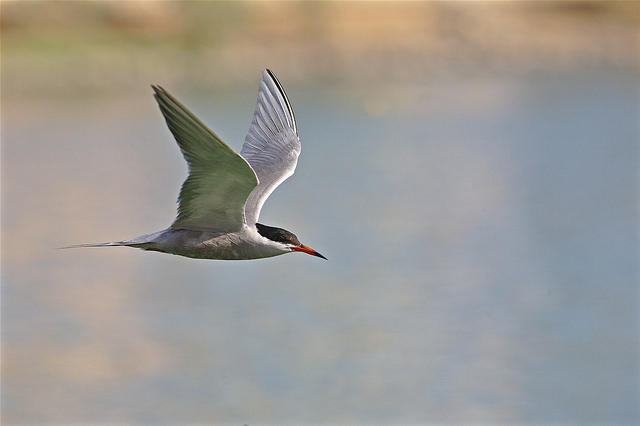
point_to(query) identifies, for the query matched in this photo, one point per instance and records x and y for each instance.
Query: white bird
(221, 199)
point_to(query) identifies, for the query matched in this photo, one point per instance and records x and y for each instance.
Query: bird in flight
(221, 199)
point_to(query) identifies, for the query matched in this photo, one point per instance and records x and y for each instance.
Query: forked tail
(143, 242)
(112, 244)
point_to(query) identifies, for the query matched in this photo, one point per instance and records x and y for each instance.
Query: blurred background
(470, 169)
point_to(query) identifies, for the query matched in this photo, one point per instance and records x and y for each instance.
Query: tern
(220, 201)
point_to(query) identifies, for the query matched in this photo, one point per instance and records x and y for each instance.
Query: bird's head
(288, 239)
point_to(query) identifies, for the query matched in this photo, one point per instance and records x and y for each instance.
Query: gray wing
(272, 146)
(213, 196)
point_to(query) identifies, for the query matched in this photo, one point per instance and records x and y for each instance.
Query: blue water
(482, 240)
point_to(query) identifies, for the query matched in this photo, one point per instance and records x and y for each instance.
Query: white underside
(246, 243)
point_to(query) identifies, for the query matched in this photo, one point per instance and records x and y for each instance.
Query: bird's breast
(239, 245)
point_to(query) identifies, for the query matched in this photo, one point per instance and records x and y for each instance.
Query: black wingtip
(157, 90)
(284, 96)
(271, 74)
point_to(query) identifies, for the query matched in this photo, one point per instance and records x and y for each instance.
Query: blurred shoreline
(87, 46)
(470, 169)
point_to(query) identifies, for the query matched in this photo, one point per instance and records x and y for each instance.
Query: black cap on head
(278, 234)
(285, 237)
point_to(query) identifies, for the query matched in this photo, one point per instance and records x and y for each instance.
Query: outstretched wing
(213, 196)
(272, 146)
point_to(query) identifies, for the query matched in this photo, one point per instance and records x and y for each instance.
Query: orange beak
(308, 250)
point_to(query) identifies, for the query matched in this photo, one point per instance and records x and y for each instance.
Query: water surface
(482, 245)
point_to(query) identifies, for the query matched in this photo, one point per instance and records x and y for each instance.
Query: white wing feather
(272, 145)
